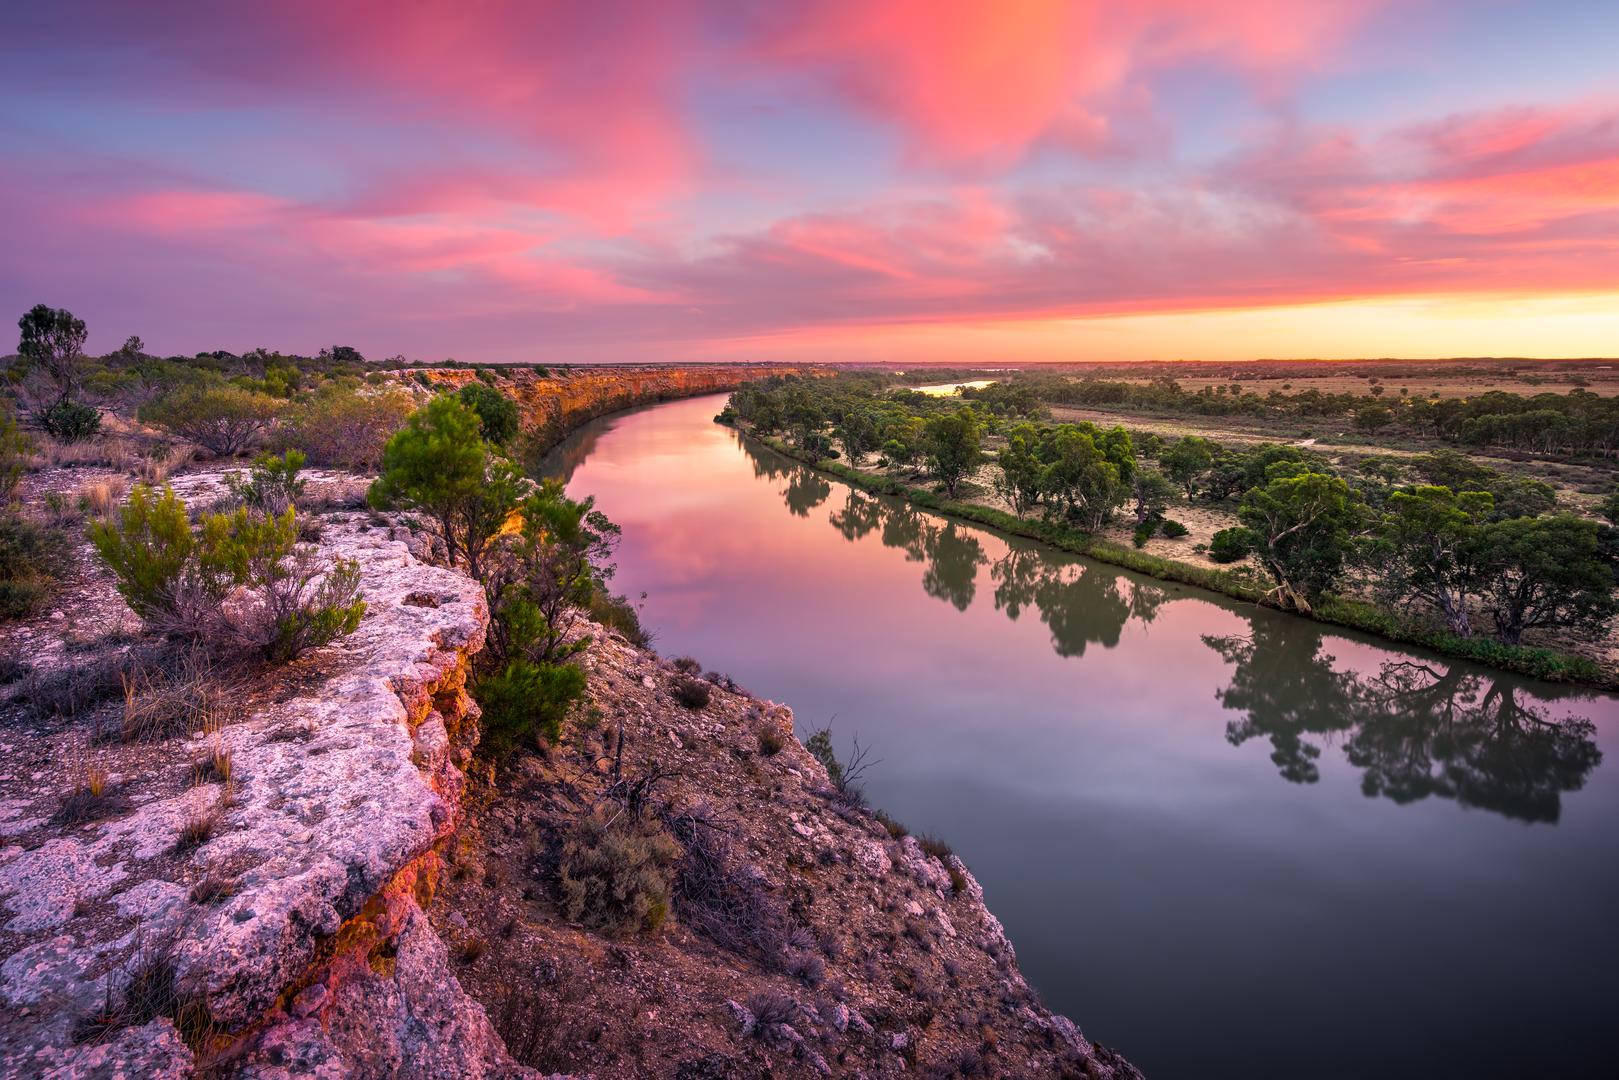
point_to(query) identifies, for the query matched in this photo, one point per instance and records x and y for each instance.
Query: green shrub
(1173, 529)
(343, 426)
(221, 418)
(438, 464)
(618, 614)
(148, 549)
(15, 448)
(272, 485)
(32, 557)
(617, 877)
(1144, 532)
(1229, 545)
(71, 421)
(497, 413)
(178, 578)
(525, 700)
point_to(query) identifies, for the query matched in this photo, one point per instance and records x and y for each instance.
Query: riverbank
(1536, 662)
(320, 877)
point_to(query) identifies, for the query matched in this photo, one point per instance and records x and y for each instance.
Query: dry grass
(92, 797)
(190, 698)
(158, 464)
(199, 828)
(212, 768)
(100, 499)
(145, 988)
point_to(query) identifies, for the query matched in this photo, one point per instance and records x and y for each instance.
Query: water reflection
(1414, 729)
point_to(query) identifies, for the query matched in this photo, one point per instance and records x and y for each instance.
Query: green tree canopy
(439, 464)
(953, 444)
(1301, 527)
(1540, 572)
(497, 413)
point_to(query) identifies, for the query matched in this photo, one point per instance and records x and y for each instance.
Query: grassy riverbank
(1540, 663)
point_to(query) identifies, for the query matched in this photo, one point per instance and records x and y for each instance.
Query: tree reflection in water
(1414, 728)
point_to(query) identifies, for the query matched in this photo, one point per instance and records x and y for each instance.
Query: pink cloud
(972, 81)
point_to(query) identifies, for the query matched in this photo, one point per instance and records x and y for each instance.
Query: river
(1226, 841)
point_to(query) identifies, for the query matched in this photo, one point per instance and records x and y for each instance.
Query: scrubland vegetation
(1442, 547)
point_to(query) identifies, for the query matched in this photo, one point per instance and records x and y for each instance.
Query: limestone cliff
(290, 941)
(553, 404)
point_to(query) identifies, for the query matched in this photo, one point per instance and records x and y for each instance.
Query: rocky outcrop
(553, 404)
(291, 941)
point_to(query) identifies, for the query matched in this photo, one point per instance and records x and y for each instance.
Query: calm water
(1224, 841)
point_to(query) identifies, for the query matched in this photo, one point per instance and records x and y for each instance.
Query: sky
(837, 180)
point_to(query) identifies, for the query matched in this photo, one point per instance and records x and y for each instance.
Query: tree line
(1578, 422)
(1441, 537)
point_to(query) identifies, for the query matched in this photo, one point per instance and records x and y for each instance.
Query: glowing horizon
(911, 180)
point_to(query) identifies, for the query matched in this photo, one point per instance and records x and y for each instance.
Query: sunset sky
(864, 180)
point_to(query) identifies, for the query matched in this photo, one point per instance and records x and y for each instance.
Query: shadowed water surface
(1226, 841)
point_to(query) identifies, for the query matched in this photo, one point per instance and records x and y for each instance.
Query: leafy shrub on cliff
(347, 426)
(439, 465)
(524, 700)
(184, 581)
(618, 614)
(221, 418)
(617, 877)
(497, 413)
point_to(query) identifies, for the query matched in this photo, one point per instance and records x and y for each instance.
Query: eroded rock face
(317, 953)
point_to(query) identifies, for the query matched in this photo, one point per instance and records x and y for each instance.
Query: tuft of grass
(686, 665)
(213, 767)
(213, 887)
(199, 828)
(145, 989)
(896, 830)
(933, 847)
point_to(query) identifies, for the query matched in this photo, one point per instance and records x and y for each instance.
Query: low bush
(346, 426)
(526, 700)
(770, 742)
(71, 421)
(1173, 529)
(1229, 545)
(717, 895)
(1144, 532)
(272, 485)
(693, 693)
(239, 581)
(15, 450)
(32, 557)
(616, 877)
(221, 418)
(616, 613)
